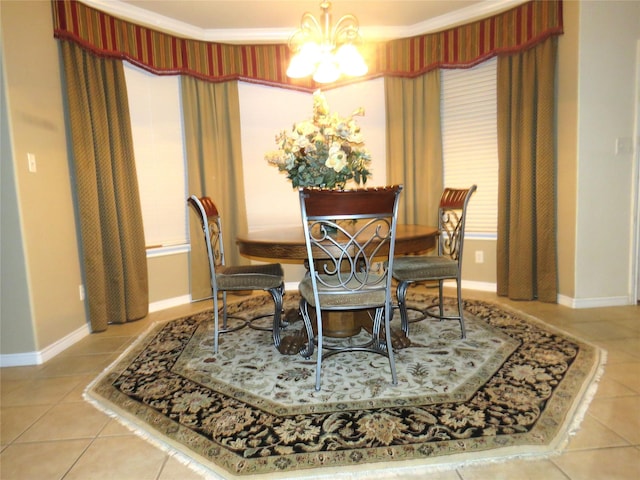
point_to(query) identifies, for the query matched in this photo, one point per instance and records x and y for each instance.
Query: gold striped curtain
(526, 248)
(158, 52)
(213, 146)
(414, 145)
(112, 236)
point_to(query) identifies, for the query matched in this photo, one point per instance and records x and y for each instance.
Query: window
(156, 123)
(469, 141)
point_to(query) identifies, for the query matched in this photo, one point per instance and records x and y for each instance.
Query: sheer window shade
(156, 123)
(470, 144)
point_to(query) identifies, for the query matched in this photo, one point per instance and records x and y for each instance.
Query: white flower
(337, 157)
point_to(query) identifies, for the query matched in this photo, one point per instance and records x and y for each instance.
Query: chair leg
(277, 294)
(307, 351)
(461, 310)
(319, 353)
(224, 310)
(440, 299)
(216, 329)
(401, 294)
(387, 330)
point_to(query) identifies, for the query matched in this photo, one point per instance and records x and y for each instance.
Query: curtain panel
(164, 54)
(211, 113)
(414, 145)
(112, 235)
(526, 257)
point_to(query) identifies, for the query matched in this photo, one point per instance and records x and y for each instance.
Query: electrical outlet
(624, 145)
(81, 292)
(31, 158)
(479, 256)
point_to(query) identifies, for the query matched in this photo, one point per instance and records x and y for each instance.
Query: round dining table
(287, 244)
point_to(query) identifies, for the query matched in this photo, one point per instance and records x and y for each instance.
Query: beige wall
(567, 107)
(41, 262)
(47, 228)
(607, 65)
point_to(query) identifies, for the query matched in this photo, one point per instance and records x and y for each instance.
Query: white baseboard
(594, 302)
(39, 357)
(482, 286)
(169, 303)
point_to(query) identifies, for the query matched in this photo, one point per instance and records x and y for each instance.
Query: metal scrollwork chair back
(267, 277)
(350, 240)
(446, 265)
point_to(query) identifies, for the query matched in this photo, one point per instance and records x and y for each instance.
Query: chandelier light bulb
(326, 51)
(304, 62)
(350, 61)
(327, 70)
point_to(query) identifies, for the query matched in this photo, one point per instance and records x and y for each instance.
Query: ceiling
(274, 20)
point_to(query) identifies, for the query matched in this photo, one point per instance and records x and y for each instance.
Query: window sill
(165, 250)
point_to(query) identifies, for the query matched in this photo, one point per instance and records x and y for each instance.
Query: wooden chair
(350, 240)
(268, 277)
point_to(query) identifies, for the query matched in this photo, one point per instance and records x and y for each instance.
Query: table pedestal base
(335, 325)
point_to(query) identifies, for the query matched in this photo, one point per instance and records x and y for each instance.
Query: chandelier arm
(346, 30)
(309, 29)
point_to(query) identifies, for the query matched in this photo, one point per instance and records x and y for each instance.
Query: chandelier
(324, 51)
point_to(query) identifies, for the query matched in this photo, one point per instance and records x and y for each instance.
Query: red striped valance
(164, 54)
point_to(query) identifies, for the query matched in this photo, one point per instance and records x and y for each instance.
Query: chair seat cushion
(250, 277)
(424, 267)
(366, 298)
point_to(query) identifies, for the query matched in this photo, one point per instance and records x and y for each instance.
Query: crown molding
(141, 16)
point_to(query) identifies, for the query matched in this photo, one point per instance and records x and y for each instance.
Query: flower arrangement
(327, 151)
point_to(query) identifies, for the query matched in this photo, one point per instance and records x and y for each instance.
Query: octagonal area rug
(513, 387)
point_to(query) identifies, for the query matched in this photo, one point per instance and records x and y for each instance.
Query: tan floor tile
(40, 461)
(608, 463)
(623, 350)
(627, 373)
(430, 475)
(174, 470)
(7, 386)
(607, 387)
(115, 428)
(66, 421)
(19, 373)
(121, 458)
(598, 331)
(98, 343)
(77, 365)
(15, 420)
(592, 434)
(621, 414)
(130, 329)
(39, 391)
(76, 394)
(514, 469)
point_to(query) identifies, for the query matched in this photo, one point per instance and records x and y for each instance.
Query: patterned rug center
(438, 366)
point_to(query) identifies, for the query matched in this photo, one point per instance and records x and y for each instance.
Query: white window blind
(156, 123)
(470, 144)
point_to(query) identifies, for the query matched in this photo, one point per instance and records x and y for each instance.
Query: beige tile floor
(48, 432)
